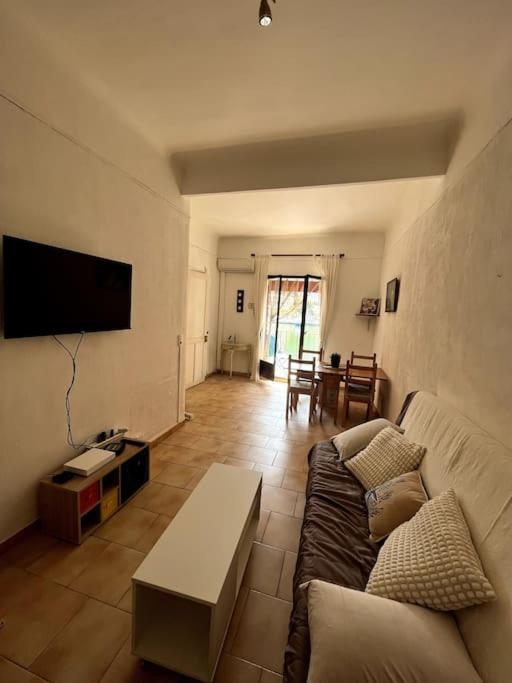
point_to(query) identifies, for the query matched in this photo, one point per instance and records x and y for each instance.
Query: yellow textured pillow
(431, 560)
(388, 455)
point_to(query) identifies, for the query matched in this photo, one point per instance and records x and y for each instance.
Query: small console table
(232, 348)
(73, 510)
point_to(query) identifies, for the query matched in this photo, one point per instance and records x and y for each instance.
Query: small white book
(90, 461)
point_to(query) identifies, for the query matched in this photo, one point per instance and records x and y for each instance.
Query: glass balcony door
(292, 325)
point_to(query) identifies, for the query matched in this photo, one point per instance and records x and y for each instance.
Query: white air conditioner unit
(235, 265)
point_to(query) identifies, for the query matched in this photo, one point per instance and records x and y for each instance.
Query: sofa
(335, 547)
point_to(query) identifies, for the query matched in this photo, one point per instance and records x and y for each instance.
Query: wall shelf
(367, 316)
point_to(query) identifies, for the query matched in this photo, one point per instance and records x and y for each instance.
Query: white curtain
(328, 267)
(261, 267)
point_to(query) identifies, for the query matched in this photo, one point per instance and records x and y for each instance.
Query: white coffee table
(185, 590)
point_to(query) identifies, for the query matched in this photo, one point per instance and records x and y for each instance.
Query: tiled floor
(66, 609)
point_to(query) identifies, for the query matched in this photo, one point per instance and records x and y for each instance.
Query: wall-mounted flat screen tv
(48, 290)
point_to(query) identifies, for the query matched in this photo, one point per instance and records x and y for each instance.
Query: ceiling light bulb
(265, 13)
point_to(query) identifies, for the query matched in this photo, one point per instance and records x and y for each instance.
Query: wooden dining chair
(301, 381)
(359, 389)
(355, 356)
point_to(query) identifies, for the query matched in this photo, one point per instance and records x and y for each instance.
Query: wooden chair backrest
(370, 379)
(356, 356)
(301, 369)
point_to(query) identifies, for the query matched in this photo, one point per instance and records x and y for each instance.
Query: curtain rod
(298, 255)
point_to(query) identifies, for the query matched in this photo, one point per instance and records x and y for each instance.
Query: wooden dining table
(332, 377)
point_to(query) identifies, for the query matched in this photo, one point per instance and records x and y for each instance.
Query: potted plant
(335, 360)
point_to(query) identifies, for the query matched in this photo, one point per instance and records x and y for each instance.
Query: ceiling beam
(398, 152)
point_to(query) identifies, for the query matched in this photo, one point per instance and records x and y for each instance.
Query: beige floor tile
(145, 497)
(161, 499)
(232, 449)
(300, 505)
(156, 466)
(148, 540)
(196, 479)
(234, 670)
(127, 526)
(264, 569)
(296, 481)
(29, 549)
(263, 631)
(63, 562)
(110, 576)
(235, 462)
(264, 456)
(251, 439)
(273, 476)
(269, 430)
(262, 525)
(180, 438)
(84, 649)
(176, 454)
(291, 461)
(278, 500)
(270, 677)
(126, 668)
(282, 445)
(283, 532)
(235, 619)
(207, 444)
(176, 475)
(34, 610)
(194, 458)
(11, 673)
(126, 601)
(285, 589)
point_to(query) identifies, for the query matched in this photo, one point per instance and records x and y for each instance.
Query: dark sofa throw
(334, 546)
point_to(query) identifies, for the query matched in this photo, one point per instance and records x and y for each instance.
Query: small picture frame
(370, 306)
(392, 291)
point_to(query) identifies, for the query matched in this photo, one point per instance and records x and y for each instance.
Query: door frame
(306, 279)
(203, 275)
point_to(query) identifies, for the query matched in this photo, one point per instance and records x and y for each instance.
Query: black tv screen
(49, 291)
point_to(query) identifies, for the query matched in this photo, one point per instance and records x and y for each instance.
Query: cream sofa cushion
(361, 638)
(387, 456)
(353, 440)
(394, 503)
(431, 561)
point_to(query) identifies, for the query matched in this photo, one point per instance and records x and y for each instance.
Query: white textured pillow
(431, 561)
(353, 440)
(360, 638)
(388, 456)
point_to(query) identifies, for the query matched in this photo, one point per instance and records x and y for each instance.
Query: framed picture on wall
(392, 291)
(370, 306)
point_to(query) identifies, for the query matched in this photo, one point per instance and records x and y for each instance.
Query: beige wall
(74, 175)
(452, 333)
(203, 254)
(360, 273)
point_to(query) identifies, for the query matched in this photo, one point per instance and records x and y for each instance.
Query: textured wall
(452, 333)
(74, 175)
(359, 277)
